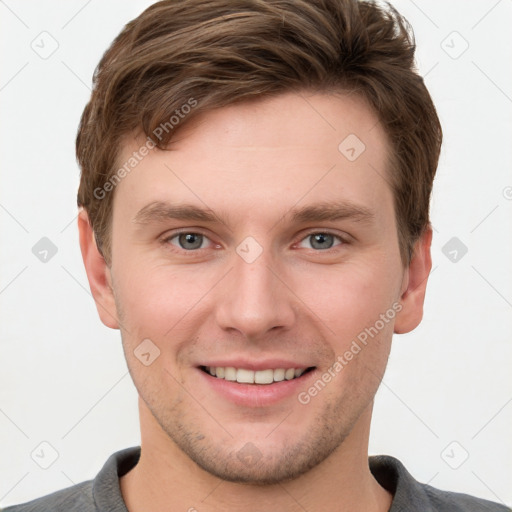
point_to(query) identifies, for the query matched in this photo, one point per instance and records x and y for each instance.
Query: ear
(414, 285)
(98, 273)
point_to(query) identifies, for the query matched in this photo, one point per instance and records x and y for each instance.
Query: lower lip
(257, 395)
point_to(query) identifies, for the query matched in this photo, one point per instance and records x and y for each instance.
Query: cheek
(157, 322)
(350, 299)
(157, 300)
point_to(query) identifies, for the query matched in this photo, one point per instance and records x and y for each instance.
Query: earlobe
(415, 285)
(98, 273)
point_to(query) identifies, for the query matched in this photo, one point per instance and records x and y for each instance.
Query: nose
(255, 298)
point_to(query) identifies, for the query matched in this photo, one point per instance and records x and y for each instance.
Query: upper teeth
(254, 377)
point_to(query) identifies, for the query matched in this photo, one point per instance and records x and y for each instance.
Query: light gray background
(63, 379)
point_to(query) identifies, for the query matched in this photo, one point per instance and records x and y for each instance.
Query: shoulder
(103, 493)
(75, 498)
(459, 502)
(410, 495)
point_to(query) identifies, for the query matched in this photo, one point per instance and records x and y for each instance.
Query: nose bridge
(254, 300)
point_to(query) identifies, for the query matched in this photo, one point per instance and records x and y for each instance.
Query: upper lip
(256, 365)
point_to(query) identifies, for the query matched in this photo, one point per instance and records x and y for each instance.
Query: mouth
(257, 377)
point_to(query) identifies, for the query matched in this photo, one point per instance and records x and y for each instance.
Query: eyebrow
(332, 212)
(159, 211)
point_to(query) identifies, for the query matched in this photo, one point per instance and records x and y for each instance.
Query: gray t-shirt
(104, 495)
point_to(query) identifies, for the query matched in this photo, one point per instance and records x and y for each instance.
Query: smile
(245, 376)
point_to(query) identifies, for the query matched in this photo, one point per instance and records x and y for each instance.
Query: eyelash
(166, 241)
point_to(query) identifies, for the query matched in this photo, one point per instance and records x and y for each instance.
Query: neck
(165, 476)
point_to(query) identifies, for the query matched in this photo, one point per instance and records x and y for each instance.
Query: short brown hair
(218, 52)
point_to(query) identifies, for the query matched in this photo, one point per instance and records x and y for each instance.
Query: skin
(251, 164)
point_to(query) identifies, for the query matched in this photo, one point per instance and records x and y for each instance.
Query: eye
(321, 241)
(188, 241)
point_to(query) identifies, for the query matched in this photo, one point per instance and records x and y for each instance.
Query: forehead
(266, 156)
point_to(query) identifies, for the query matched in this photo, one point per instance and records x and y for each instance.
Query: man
(254, 220)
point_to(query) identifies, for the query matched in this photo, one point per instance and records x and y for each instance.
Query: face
(259, 248)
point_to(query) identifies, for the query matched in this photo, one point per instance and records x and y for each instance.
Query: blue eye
(188, 241)
(322, 241)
